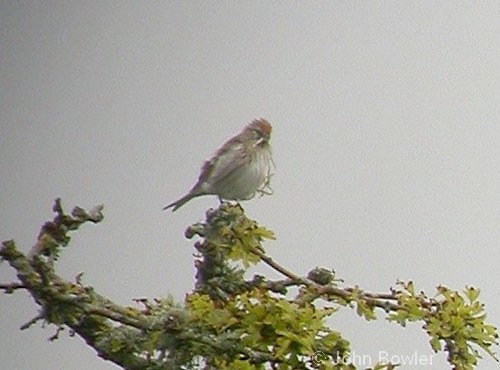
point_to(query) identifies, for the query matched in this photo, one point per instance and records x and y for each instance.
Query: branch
(381, 300)
(99, 321)
(33, 321)
(9, 288)
(169, 336)
(53, 234)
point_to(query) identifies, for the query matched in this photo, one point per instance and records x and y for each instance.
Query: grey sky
(386, 139)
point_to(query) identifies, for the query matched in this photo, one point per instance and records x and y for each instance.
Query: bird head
(260, 129)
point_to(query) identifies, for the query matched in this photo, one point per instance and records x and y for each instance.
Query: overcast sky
(386, 139)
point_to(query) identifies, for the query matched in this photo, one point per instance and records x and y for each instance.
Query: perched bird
(238, 169)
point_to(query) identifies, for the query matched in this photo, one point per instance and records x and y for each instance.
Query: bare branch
(380, 300)
(10, 287)
(33, 321)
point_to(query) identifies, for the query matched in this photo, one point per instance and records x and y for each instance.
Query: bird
(239, 169)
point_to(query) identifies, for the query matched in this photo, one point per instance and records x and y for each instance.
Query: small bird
(238, 170)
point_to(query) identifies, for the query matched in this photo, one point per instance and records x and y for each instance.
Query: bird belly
(243, 183)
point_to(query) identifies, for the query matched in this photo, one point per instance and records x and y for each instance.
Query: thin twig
(381, 300)
(269, 261)
(33, 321)
(9, 288)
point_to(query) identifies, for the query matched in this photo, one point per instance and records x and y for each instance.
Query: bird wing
(225, 161)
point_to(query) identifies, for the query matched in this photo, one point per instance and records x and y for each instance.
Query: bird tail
(180, 202)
